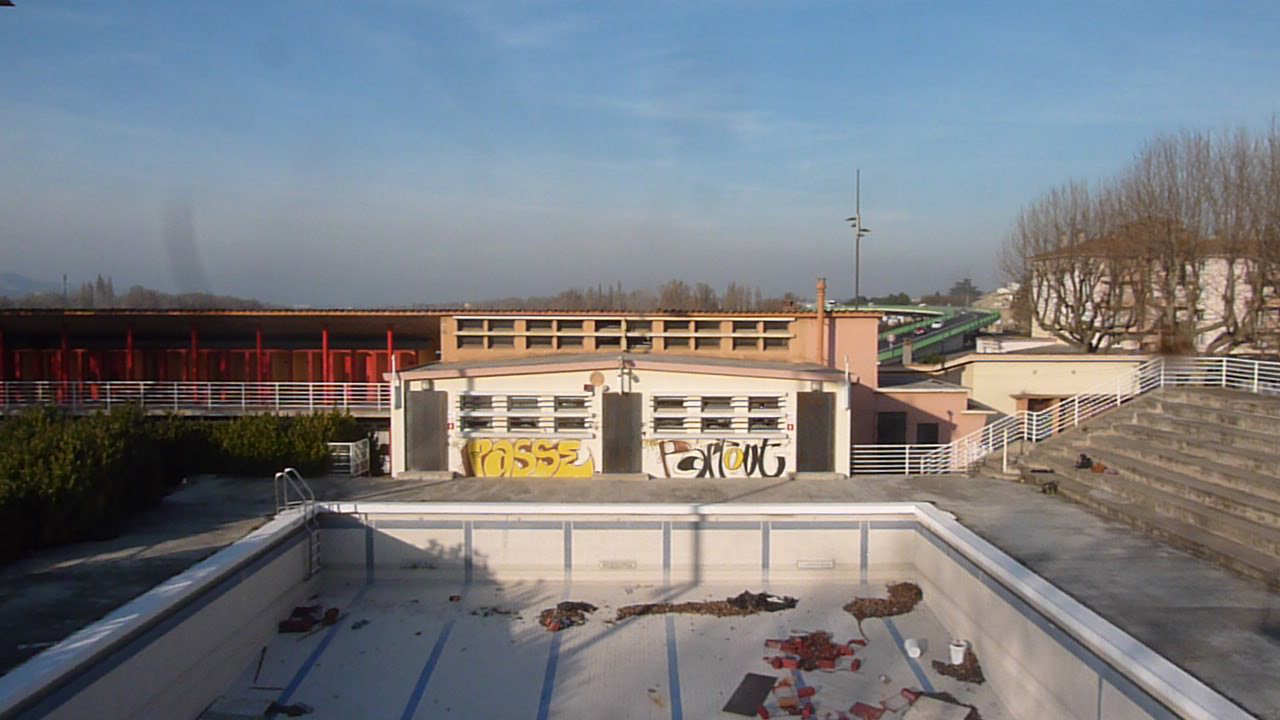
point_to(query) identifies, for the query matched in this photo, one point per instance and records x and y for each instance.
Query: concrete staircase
(1197, 468)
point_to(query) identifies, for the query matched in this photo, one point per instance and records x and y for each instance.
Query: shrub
(65, 478)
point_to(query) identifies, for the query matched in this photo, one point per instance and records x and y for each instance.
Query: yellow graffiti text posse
(523, 457)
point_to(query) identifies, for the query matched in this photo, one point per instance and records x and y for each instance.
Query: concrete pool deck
(1222, 628)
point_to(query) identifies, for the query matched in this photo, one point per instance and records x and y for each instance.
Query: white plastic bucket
(958, 648)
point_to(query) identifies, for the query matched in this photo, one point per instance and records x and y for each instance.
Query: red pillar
(193, 359)
(257, 337)
(324, 353)
(64, 356)
(128, 353)
(391, 351)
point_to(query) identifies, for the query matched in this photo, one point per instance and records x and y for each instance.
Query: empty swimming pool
(437, 615)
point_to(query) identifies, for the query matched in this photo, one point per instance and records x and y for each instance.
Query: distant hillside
(13, 285)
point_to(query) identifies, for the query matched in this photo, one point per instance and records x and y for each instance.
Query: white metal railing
(350, 458)
(895, 459)
(209, 397)
(1256, 376)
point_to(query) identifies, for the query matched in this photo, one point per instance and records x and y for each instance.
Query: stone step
(1160, 468)
(1213, 448)
(1184, 536)
(1221, 436)
(1172, 503)
(1243, 420)
(1237, 400)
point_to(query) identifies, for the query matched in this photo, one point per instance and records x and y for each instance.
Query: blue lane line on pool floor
(915, 666)
(553, 656)
(433, 659)
(311, 660)
(673, 670)
(424, 677)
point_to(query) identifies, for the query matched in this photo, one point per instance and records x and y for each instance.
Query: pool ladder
(294, 492)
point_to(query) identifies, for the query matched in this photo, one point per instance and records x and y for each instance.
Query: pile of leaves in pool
(565, 615)
(967, 671)
(745, 603)
(902, 599)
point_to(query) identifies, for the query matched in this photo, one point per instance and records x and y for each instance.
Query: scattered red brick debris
(866, 712)
(814, 651)
(902, 599)
(745, 603)
(968, 671)
(565, 615)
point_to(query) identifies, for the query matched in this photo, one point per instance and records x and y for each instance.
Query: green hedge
(66, 478)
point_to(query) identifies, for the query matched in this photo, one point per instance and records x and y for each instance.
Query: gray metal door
(622, 419)
(426, 430)
(815, 432)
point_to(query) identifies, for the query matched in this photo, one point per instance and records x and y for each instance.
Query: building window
(707, 326)
(712, 424)
(927, 433)
(745, 344)
(638, 341)
(607, 341)
(773, 343)
(668, 403)
(706, 344)
(675, 343)
(717, 402)
(776, 326)
(522, 403)
(569, 325)
(569, 341)
(502, 341)
(764, 403)
(571, 423)
(675, 325)
(502, 325)
(537, 325)
(538, 341)
(470, 341)
(470, 325)
(744, 326)
(639, 326)
(668, 424)
(762, 424)
(522, 423)
(609, 326)
(571, 403)
(475, 402)
(477, 423)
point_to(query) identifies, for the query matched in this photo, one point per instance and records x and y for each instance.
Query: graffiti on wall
(527, 457)
(722, 458)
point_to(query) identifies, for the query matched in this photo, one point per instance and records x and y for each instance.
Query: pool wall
(171, 651)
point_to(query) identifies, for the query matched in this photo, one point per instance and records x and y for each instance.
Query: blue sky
(399, 151)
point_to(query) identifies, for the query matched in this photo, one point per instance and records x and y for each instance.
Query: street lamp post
(858, 232)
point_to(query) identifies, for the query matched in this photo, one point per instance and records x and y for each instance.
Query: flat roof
(606, 360)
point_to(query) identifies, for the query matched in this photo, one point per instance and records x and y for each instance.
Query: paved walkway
(1221, 627)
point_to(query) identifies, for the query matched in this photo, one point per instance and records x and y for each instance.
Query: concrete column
(822, 321)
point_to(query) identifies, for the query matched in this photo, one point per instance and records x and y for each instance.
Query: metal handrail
(198, 396)
(1024, 426)
(289, 483)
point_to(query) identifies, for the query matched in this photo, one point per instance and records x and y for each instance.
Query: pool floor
(403, 649)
